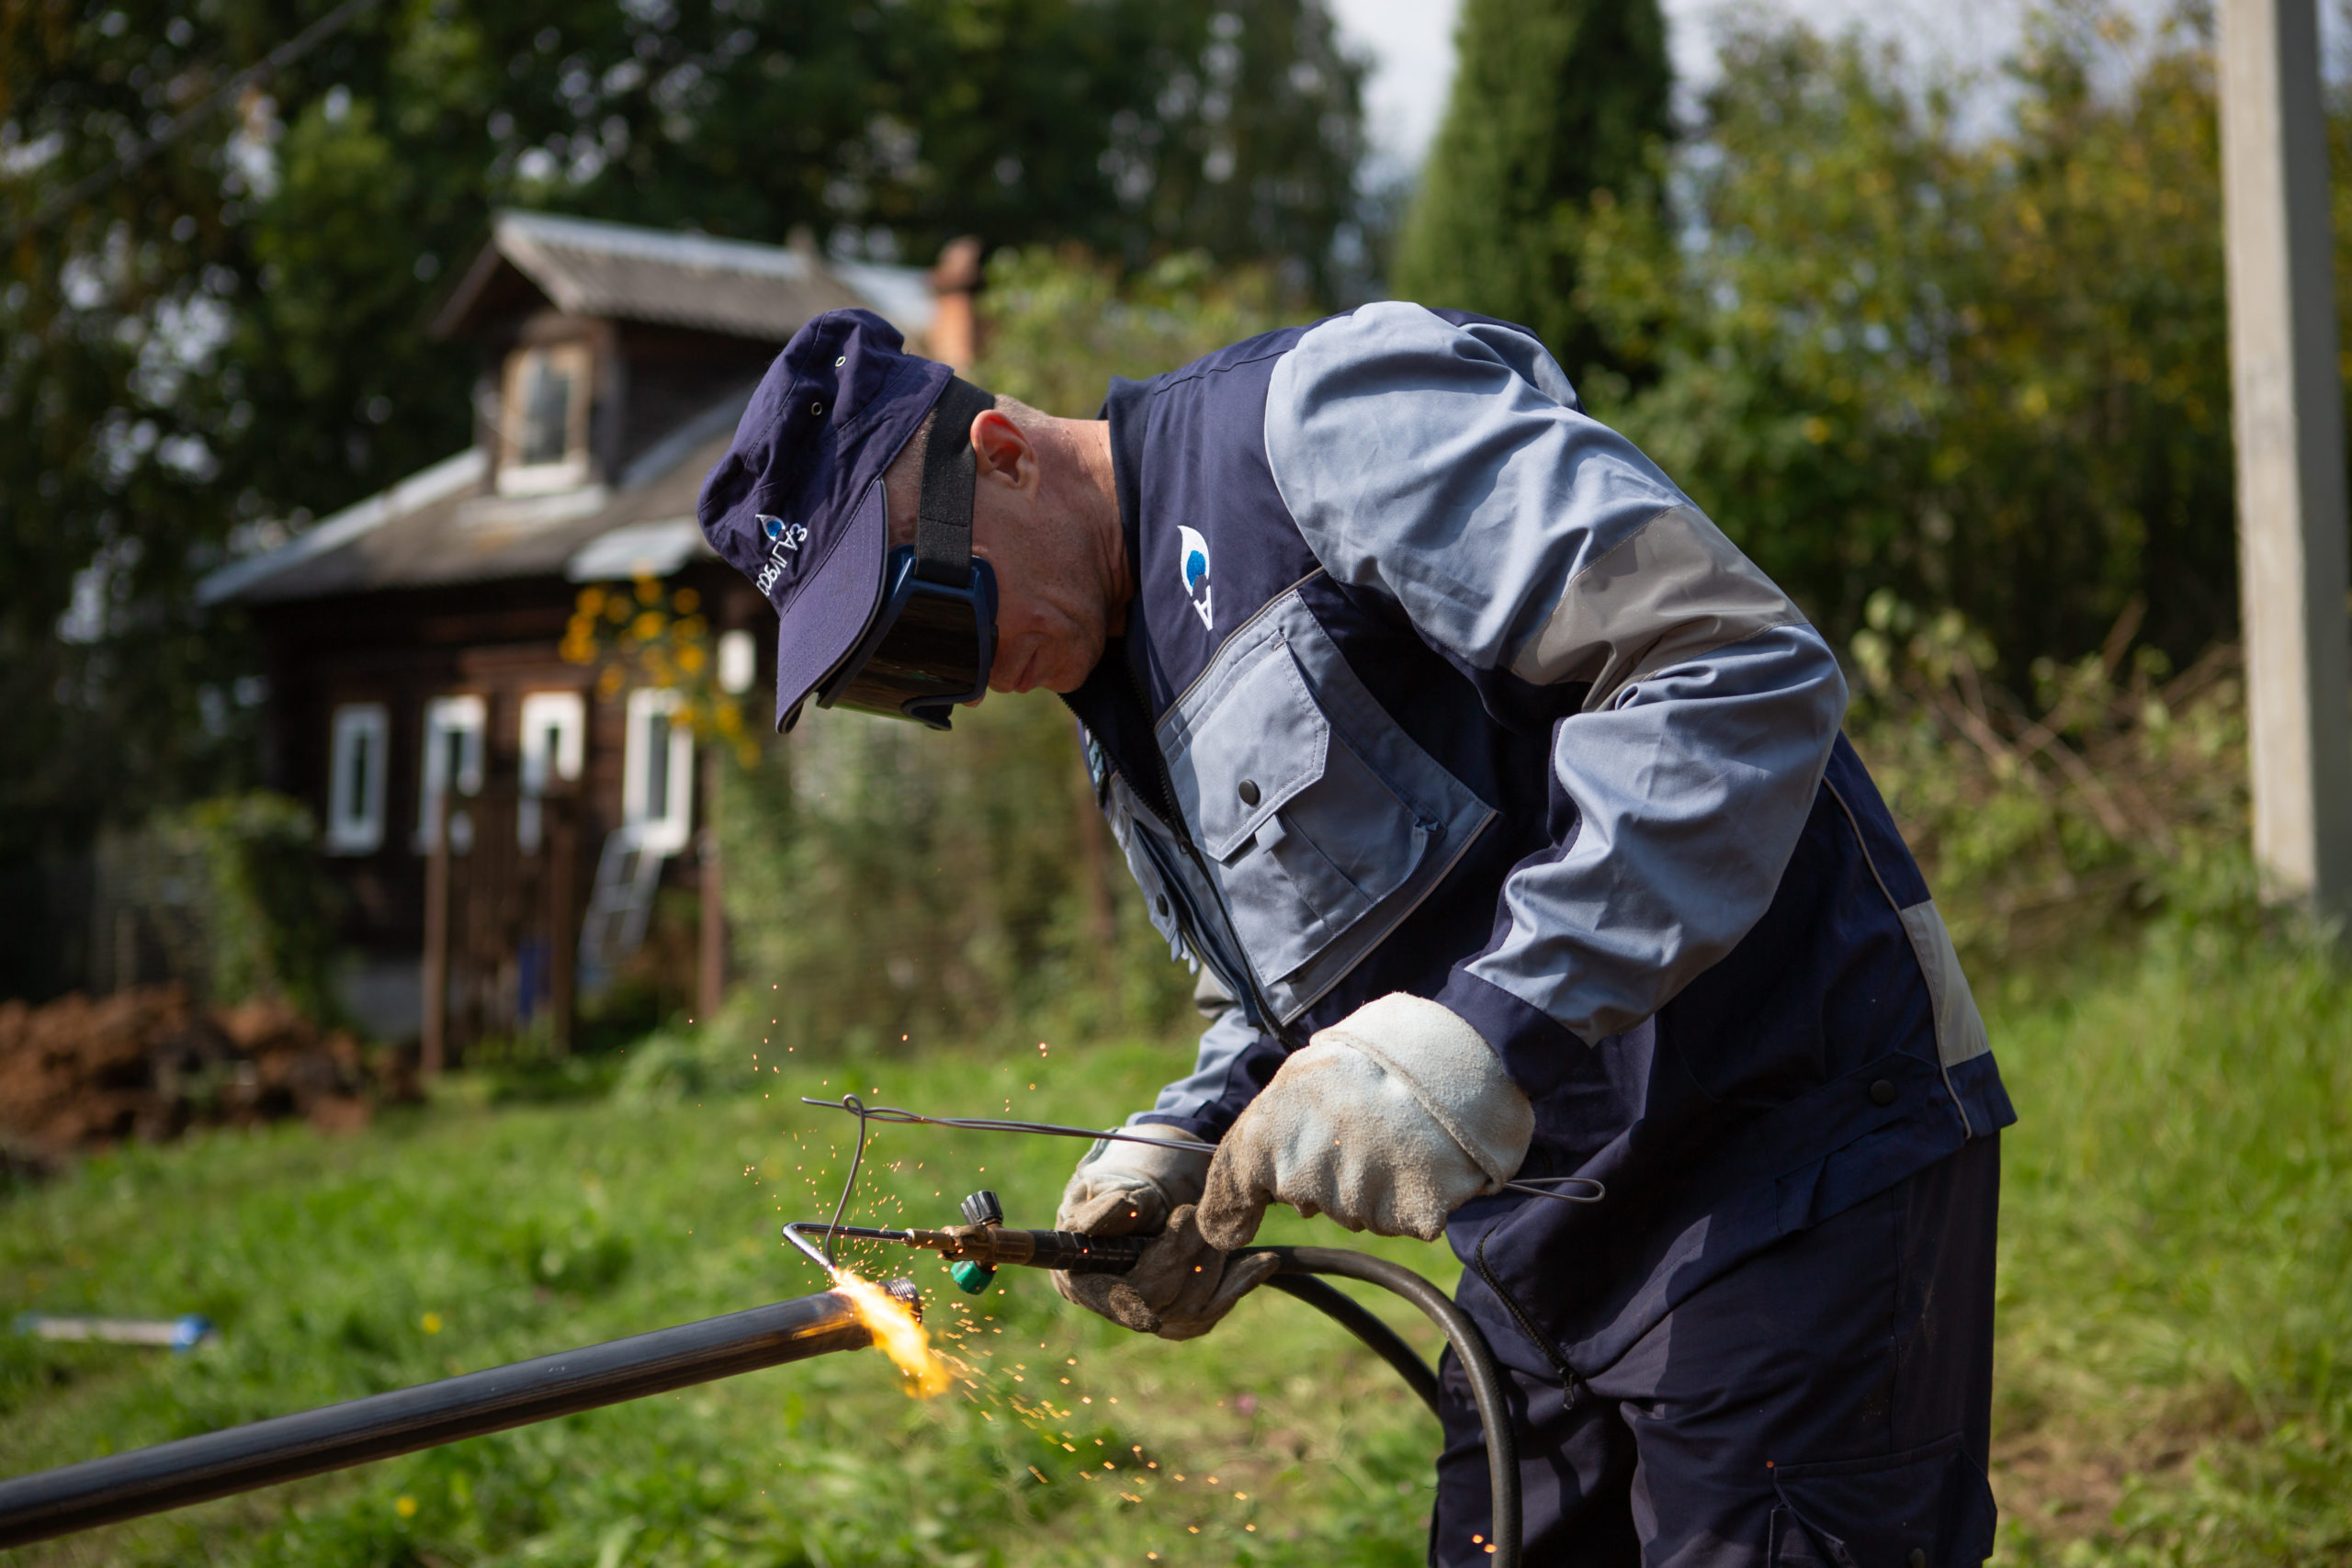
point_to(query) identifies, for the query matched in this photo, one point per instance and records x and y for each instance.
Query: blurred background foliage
(1892, 346)
(230, 893)
(1960, 385)
(227, 338)
(887, 882)
(1555, 107)
(1944, 353)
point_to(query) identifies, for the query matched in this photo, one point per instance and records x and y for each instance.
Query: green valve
(972, 1278)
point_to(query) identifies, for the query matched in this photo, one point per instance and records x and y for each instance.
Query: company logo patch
(1193, 566)
(784, 540)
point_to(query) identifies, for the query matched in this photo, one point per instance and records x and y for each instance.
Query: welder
(1502, 805)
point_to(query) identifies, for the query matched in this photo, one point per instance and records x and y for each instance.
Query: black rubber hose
(1469, 1347)
(240, 1459)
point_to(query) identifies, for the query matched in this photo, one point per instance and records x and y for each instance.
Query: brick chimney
(955, 327)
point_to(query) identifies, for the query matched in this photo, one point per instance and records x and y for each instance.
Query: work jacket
(1432, 683)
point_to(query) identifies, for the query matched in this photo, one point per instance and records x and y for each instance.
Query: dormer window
(544, 419)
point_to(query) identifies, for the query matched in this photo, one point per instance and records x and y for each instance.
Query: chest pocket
(1324, 824)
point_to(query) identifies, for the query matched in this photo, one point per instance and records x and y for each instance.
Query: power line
(285, 54)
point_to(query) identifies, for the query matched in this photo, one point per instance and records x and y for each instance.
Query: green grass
(2177, 1287)
(526, 1230)
(2174, 1372)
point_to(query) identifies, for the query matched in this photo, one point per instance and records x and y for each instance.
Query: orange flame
(898, 1333)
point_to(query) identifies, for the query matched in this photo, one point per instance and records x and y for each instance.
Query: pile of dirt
(80, 1074)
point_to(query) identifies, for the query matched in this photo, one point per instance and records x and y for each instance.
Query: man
(1503, 806)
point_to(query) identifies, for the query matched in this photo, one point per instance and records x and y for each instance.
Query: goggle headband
(909, 661)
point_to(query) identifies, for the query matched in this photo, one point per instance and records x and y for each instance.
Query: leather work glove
(1388, 1120)
(1123, 1189)
(1183, 1286)
(1180, 1290)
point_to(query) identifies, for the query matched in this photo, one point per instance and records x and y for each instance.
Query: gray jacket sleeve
(1446, 468)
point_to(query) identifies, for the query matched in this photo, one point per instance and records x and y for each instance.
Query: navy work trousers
(1826, 1404)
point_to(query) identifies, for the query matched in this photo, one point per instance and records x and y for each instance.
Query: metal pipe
(241, 1459)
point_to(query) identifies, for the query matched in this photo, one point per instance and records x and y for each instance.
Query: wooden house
(411, 641)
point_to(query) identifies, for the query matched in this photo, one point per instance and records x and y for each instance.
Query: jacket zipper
(1543, 1341)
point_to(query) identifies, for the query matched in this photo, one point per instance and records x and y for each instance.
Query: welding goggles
(927, 648)
(931, 638)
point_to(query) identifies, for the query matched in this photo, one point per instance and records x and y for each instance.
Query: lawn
(2177, 1281)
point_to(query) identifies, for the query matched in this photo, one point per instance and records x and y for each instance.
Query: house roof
(624, 272)
(445, 525)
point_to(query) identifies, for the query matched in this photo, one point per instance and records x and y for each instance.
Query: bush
(887, 882)
(231, 892)
(2114, 791)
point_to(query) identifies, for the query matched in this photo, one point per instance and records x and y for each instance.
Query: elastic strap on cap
(944, 516)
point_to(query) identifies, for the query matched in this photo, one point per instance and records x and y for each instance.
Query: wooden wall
(403, 648)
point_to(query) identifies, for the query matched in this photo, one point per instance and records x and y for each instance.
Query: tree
(1554, 103)
(1982, 368)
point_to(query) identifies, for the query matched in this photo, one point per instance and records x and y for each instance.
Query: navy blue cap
(797, 503)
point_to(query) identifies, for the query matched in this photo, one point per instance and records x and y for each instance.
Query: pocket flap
(1246, 755)
(1930, 1507)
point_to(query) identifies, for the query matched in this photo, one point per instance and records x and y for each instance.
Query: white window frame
(356, 827)
(668, 833)
(467, 719)
(563, 715)
(570, 472)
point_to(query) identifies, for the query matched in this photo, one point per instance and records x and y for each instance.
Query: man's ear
(1003, 451)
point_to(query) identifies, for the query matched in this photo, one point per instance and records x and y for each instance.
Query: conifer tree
(1553, 102)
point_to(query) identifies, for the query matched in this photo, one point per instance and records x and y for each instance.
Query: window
(543, 427)
(453, 748)
(738, 662)
(555, 735)
(657, 789)
(355, 779)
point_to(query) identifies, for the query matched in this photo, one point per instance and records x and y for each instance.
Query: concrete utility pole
(2288, 410)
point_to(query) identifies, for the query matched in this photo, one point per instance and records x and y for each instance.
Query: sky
(1410, 44)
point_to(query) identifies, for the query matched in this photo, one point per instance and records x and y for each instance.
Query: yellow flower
(690, 660)
(616, 609)
(592, 602)
(647, 590)
(404, 1505)
(430, 1323)
(694, 626)
(646, 626)
(685, 601)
